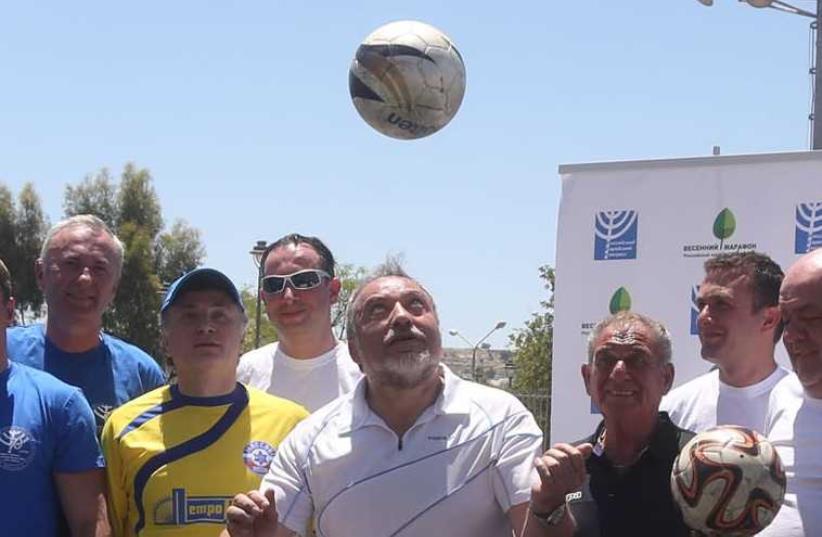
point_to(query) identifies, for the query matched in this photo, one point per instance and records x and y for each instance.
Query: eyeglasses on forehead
(299, 281)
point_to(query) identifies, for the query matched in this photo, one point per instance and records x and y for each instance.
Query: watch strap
(552, 519)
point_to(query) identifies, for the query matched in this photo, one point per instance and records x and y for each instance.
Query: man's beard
(406, 371)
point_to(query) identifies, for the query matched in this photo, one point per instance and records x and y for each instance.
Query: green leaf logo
(621, 301)
(724, 225)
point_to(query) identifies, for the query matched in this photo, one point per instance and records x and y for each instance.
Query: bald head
(800, 301)
(809, 265)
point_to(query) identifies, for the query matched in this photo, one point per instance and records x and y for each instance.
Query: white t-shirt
(457, 471)
(795, 429)
(311, 382)
(706, 402)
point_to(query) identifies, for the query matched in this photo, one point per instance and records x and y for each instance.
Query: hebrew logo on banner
(808, 227)
(615, 235)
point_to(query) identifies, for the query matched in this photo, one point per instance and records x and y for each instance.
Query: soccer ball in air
(728, 481)
(407, 80)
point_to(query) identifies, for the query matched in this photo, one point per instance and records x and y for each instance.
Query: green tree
(178, 251)
(30, 228)
(96, 195)
(350, 277)
(7, 216)
(134, 315)
(137, 201)
(268, 334)
(532, 344)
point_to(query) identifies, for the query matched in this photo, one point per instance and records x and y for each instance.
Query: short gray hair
(626, 318)
(391, 267)
(93, 224)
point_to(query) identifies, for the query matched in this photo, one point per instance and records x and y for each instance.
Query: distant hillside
(490, 365)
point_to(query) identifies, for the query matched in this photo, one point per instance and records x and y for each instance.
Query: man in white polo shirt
(413, 450)
(739, 325)
(307, 365)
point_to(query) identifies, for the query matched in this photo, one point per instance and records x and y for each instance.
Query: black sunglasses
(299, 281)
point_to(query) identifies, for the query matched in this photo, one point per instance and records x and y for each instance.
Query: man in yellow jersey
(176, 455)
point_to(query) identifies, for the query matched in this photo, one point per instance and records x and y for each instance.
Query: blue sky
(241, 112)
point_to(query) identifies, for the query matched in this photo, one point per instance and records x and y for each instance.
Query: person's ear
(668, 374)
(771, 317)
(586, 377)
(334, 287)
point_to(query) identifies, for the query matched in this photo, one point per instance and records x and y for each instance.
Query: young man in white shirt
(739, 325)
(307, 365)
(794, 424)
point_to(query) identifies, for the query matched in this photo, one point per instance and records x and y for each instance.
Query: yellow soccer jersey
(174, 462)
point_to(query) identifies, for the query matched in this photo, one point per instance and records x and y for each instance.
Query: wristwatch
(554, 518)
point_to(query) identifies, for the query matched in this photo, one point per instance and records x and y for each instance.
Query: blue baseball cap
(201, 279)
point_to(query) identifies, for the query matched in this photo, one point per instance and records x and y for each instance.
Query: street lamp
(257, 255)
(475, 346)
(815, 71)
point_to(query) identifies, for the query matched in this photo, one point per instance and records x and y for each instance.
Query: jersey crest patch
(257, 456)
(17, 448)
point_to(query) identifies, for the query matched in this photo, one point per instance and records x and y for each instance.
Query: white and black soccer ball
(407, 80)
(728, 481)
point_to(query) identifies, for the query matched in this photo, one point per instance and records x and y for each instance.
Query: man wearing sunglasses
(307, 365)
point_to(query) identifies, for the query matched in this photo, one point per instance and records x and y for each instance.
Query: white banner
(635, 235)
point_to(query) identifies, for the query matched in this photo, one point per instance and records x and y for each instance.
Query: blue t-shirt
(46, 427)
(110, 374)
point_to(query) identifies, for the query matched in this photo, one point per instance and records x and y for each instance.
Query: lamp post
(815, 70)
(257, 255)
(475, 346)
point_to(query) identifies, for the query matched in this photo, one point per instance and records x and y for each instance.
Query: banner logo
(724, 225)
(808, 227)
(615, 235)
(723, 229)
(694, 310)
(620, 301)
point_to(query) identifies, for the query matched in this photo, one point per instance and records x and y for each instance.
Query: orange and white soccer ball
(728, 481)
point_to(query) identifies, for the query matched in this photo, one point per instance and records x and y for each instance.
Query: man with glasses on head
(78, 271)
(307, 365)
(617, 482)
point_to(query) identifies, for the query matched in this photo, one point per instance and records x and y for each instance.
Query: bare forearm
(84, 503)
(100, 528)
